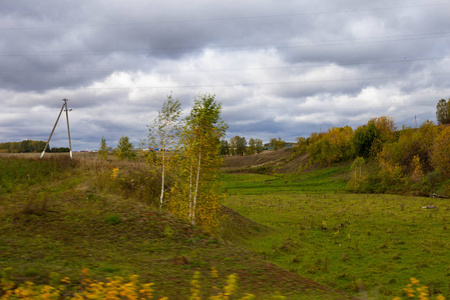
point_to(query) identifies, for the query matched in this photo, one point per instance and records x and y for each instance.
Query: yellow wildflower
(115, 172)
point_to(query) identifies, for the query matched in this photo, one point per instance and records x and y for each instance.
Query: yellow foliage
(332, 146)
(115, 173)
(417, 291)
(116, 288)
(385, 127)
(440, 157)
(31, 291)
(194, 195)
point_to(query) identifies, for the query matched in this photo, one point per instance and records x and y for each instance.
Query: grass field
(58, 217)
(366, 245)
(329, 180)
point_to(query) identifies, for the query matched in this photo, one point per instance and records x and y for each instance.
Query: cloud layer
(280, 69)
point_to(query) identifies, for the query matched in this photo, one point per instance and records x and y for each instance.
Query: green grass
(69, 219)
(58, 217)
(326, 180)
(21, 173)
(356, 243)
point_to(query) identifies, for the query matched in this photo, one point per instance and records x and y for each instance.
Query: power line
(253, 84)
(326, 43)
(231, 18)
(305, 109)
(238, 69)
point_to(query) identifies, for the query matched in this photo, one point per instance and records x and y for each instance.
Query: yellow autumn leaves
(415, 290)
(115, 288)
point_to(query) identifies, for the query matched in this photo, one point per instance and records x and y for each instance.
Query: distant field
(361, 244)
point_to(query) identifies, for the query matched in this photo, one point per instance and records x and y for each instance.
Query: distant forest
(28, 146)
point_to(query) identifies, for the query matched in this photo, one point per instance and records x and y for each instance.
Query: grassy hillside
(279, 161)
(58, 217)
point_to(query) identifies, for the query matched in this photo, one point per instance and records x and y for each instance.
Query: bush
(332, 146)
(368, 140)
(407, 160)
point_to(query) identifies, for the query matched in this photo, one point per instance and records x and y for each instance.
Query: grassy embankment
(361, 244)
(58, 217)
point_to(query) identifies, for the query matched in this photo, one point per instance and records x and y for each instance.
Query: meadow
(66, 223)
(368, 245)
(62, 218)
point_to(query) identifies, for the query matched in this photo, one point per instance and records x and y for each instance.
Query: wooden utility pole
(68, 129)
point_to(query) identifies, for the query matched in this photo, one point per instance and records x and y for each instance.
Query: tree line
(238, 146)
(29, 146)
(404, 158)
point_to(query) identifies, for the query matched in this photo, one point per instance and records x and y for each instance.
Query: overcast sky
(279, 68)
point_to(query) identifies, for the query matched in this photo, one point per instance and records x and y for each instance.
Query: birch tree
(196, 195)
(164, 134)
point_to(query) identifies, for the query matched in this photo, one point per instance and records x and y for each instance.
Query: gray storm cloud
(279, 68)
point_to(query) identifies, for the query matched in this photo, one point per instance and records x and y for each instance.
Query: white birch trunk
(190, 192)
(163, 173)
(194, 204)
(163, 170)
